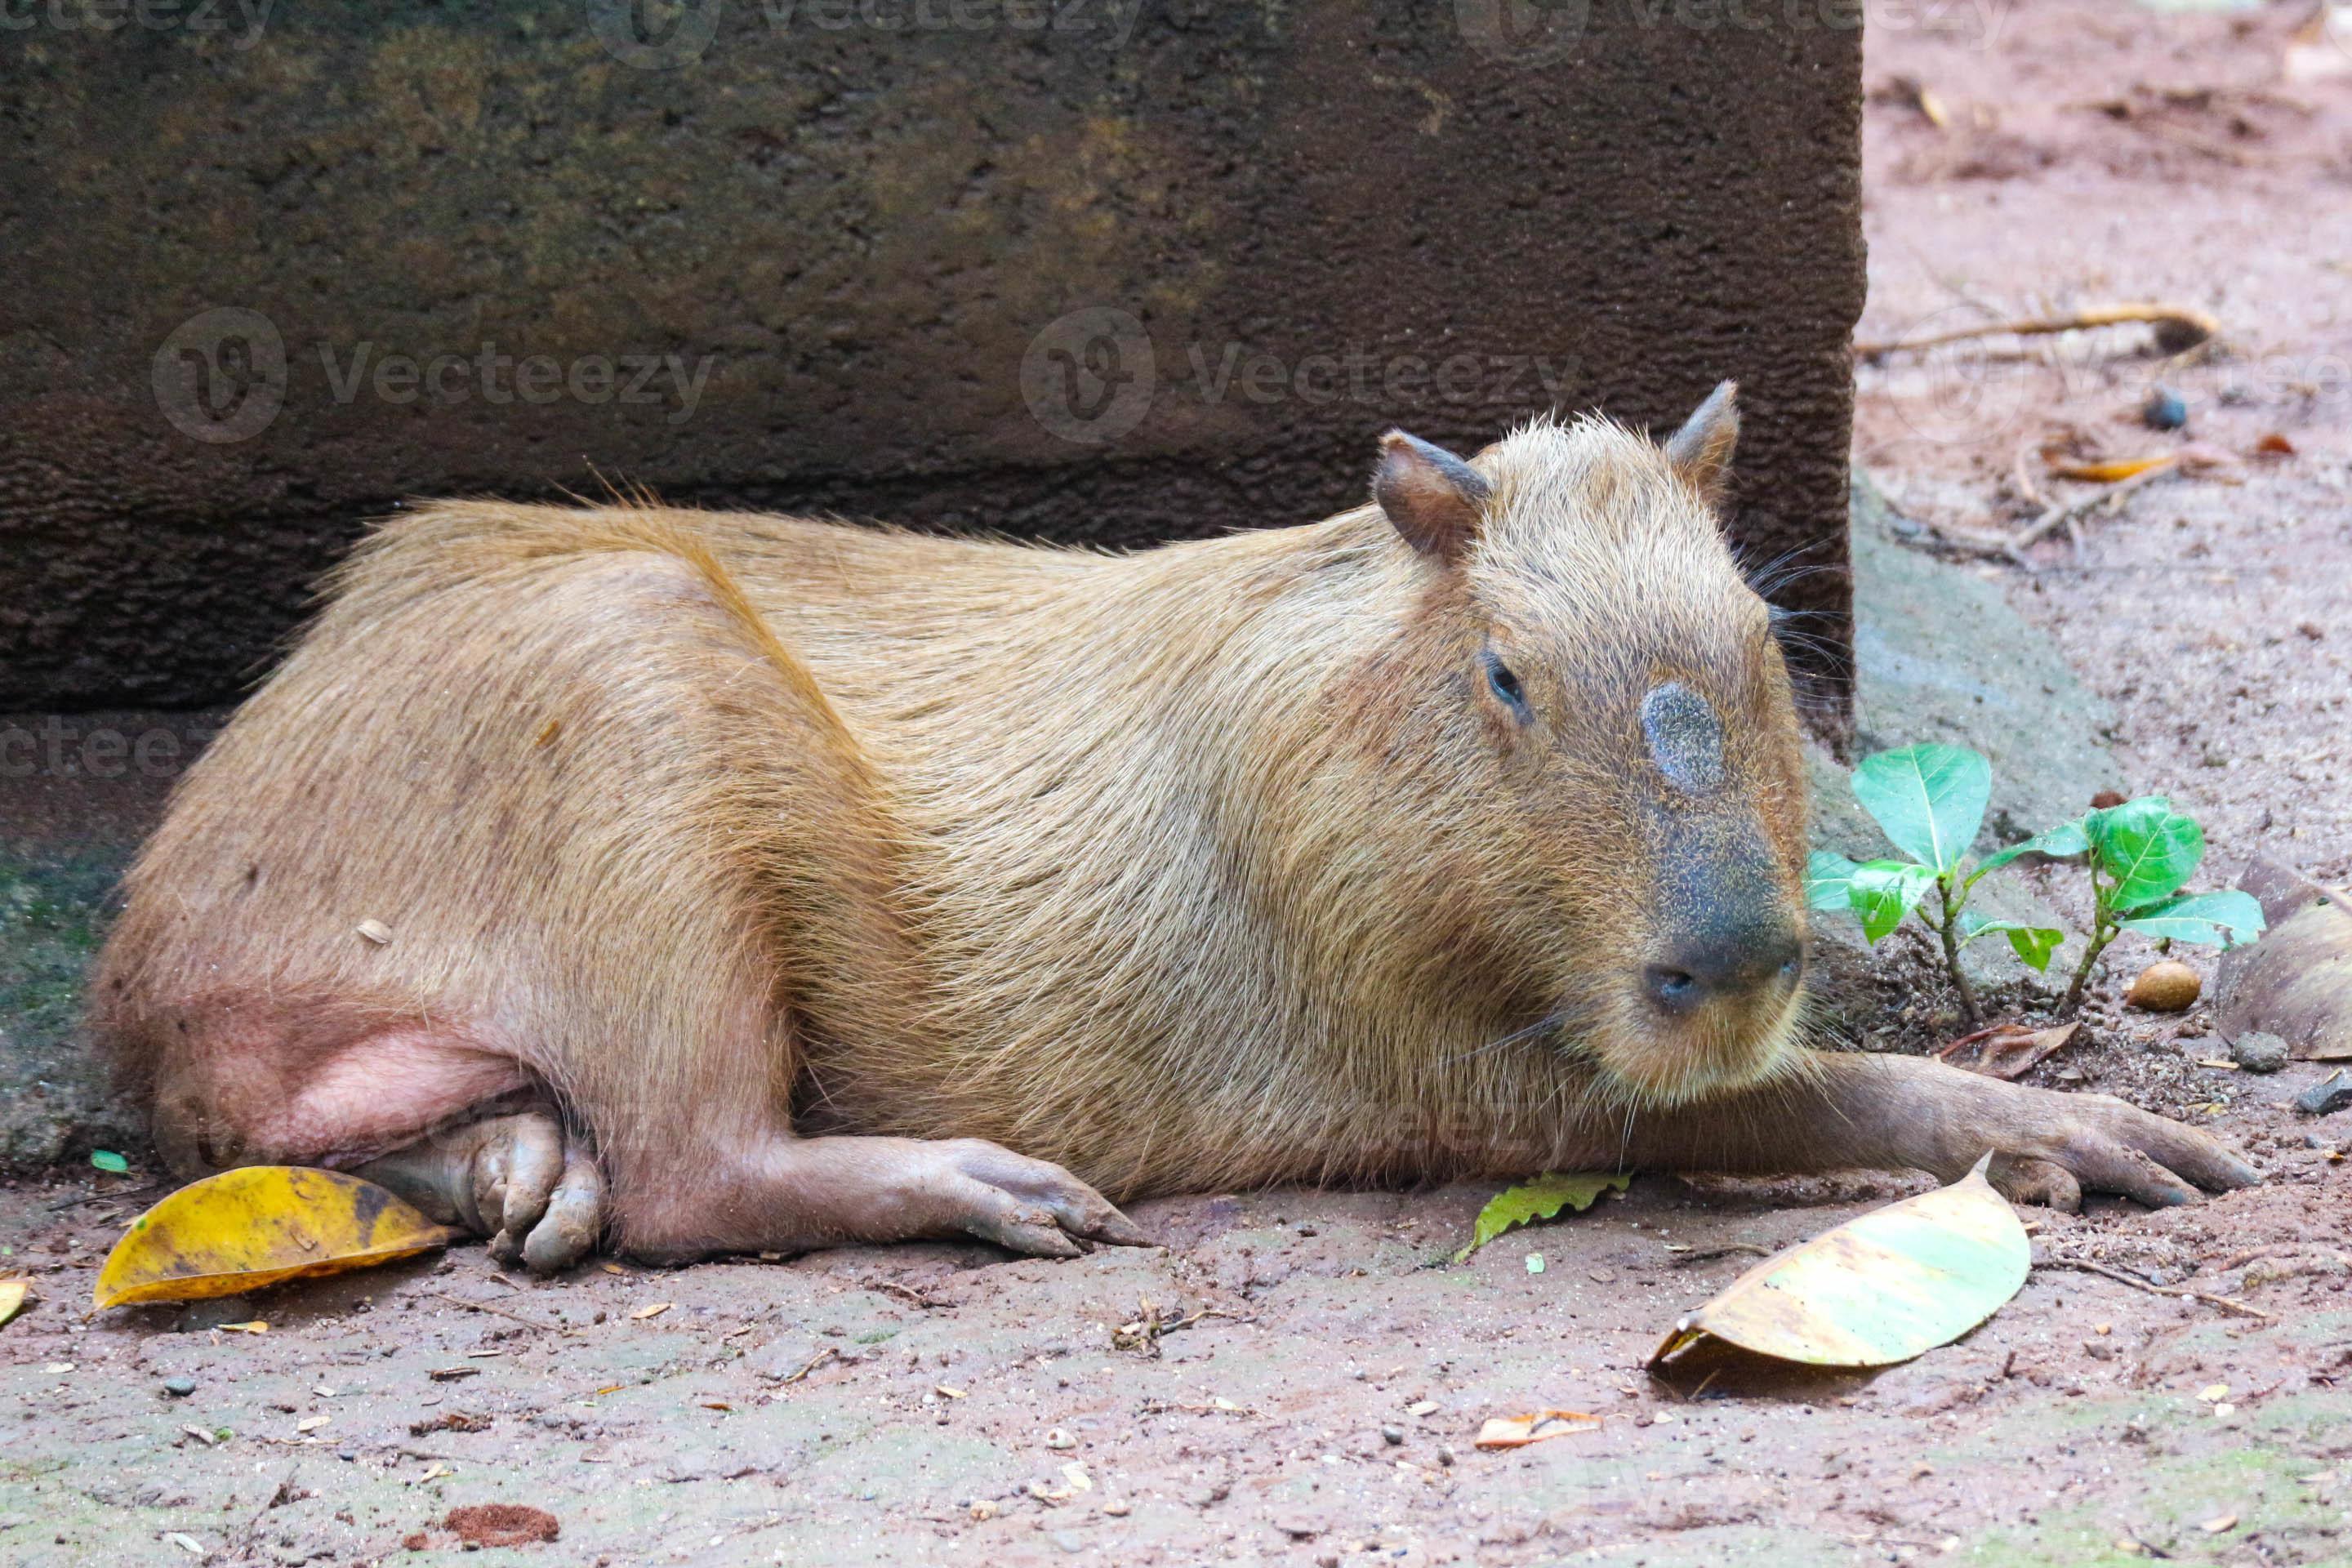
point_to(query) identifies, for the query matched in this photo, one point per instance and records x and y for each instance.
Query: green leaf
(108, 1160)
(2228, 918)
(1888, 1286)
(1541, 1199)
(1930, 800)
(2066, 839)
(1829, 881)
(1884, 891)
(2146, 847)
(2033, 944)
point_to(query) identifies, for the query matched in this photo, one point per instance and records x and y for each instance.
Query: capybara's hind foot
(515, 1179)
(789, 1195)
(1027, 1205)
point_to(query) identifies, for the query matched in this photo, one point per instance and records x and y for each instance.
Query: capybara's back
(735, 882)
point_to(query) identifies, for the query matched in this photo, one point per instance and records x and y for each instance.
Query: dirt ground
(946, 1405)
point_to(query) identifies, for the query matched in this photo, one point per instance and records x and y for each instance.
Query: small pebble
(2257, 1051)
(1394, 1436)
(178, 1387)
(2329, 1095)
(1070, 1541)
(2164, 410)
(1058, 1438)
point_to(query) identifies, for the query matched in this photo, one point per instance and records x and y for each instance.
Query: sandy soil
(940, 1403)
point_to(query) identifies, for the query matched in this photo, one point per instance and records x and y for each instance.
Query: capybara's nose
(1725, 967)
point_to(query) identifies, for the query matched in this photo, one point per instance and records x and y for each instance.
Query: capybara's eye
(1507, 688)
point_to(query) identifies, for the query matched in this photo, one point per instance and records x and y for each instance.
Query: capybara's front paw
(1030, 1206)
(2051, 1148)
(518, 1180)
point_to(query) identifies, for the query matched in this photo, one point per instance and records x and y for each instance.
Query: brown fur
(1208, 866)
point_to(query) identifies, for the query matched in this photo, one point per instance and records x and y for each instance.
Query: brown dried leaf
(2006, 1050)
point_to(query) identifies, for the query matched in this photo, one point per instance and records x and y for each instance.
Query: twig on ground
(2181, 327)
(1709, 1253)
(815, 1362)
(543, 1327)
(124, 1195)
(2069, 513)
(279, 1496)
(2027, 491)
(908, 1294)
(2226, 1303)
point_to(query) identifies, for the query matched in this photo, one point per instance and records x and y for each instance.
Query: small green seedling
(1929, 800)
(2140, 854)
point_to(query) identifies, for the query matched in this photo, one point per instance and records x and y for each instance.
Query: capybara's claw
(1033, 1206)
(2093, 1142)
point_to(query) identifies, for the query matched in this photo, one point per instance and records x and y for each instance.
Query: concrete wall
(1065, 269)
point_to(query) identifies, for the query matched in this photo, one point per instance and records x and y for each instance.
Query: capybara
(712, 882)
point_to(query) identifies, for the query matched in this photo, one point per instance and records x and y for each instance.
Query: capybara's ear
(1701, 451)
(1434, 497)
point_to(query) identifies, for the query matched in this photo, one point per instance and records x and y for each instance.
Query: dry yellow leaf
(260, 1225)
(12, 1297)
(653, 1311)
(1519, 1431)
(2110, 471)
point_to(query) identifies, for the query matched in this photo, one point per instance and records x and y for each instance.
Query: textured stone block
(1077, 269)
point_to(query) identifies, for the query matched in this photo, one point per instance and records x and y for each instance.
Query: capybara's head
(1635, 820)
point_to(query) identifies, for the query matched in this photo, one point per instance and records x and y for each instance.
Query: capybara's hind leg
(520, 1180)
